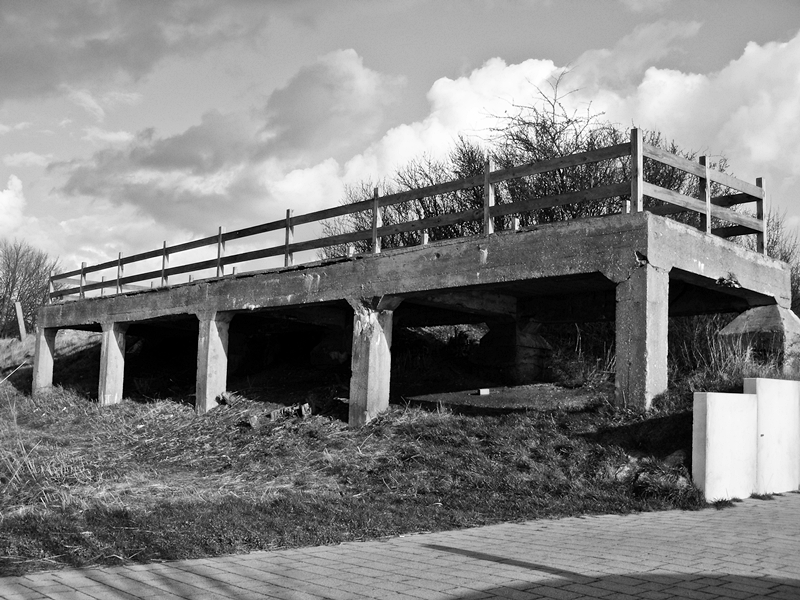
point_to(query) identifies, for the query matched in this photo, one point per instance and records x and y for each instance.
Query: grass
(148, 480)
(81, 485)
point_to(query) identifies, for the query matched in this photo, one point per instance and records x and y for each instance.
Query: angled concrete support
(43, 359)
(112, 363)
(641, 336)
(212, 359)
(371, 361)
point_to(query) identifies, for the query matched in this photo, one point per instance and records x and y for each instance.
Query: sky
(126, 124)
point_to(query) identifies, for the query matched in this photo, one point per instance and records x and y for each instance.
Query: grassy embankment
(149, 480)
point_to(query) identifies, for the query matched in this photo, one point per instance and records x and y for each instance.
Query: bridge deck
(636, 268)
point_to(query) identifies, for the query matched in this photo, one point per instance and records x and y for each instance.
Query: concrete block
(778, 434)
(724, 448)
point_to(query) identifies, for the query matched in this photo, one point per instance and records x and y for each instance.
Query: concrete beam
(44, 359)
(212, 359)
(641, 336)
(371, 357)
(613, 245)
(479, 303)
(112, 363)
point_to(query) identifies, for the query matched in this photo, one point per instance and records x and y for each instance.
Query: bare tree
(24, 278)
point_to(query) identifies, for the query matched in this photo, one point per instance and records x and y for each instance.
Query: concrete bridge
(637, 268)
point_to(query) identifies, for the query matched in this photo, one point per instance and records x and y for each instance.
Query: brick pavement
(749, 551)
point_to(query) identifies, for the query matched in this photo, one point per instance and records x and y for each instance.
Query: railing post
(515, 223)
(220, 252)
(83, 280)
(288, 256)
(761, 238)
(636, 203)
(103, 286)
(377, 222)
(120, 268)
(164, 265)
(51, 287)
(424, 238)
(488, 197)
(705, 196)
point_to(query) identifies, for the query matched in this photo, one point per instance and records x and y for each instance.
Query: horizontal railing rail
(635, 189)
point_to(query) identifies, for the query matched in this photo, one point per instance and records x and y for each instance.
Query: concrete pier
(112, 363)
(212, 359)
(641, 335)
(371, 362)
(43, 359)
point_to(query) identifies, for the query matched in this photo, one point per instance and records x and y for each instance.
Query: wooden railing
(636, 189)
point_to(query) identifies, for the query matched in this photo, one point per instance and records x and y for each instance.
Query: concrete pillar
(212, 359)
(43, 359)
(371, 358)
(112, 363)
(641, 336)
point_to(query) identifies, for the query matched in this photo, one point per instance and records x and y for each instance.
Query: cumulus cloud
(474, 105)
(53, 42)
(625, 63)
(645, 5)
(97, 107)
(246, 166)
(12, 207)
(103, 136)
(86, 101)
(239, 169)
(27, 159)
(203, 173)
(329, 108)
(17, 127)
(748, 111)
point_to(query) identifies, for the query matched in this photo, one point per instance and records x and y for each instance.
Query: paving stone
(744, 552)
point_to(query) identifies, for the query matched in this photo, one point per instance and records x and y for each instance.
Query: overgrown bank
(80, 485)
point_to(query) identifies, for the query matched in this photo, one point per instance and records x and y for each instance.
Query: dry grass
(81, 485)
(150, 480)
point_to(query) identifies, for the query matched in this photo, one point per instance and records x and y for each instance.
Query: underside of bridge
(636, 270)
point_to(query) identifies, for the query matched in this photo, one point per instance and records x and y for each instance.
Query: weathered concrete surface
(112, 363)
(641, 336)
(43, 359)
(371, 358)
(634, 253)
(212, 359)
